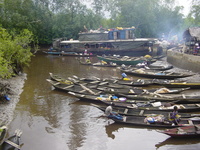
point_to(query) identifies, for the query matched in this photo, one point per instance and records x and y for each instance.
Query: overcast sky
(186, 4)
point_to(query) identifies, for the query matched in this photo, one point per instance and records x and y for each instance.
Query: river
(53, 120)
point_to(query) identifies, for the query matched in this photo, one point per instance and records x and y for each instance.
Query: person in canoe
(110, 114)
(174, 117)
(88, 60)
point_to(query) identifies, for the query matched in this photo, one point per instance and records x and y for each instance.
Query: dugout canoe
(156, 74)
(192, 131)
(142, 122)
(73, 88)
(114, 88)
(126, 61)
(148, 67)
(180, 99)
(157, 106)
(140, 91)
(168, 84)
(3, 133)
(13, 142)
(137, 112)
(137, 82)
(59, 79)
(141, 105)
(98, 64)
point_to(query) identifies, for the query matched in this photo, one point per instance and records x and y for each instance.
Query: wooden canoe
(129, 61)
(156, 74)
(98, 64)
(59, 79)
(73, 88)
(115, 88)
(192, 85)
(156, 106)
(141, 105)
(13, 142)
(139, 91)
(100, 85)
(52, 52)
(138, 112)
(140, 121)
(3, 133)
(149, 67)
(181, 99)
(192, 131)
(161, 68)
(137, 82)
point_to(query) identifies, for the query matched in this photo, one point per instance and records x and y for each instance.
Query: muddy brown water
(53, 120)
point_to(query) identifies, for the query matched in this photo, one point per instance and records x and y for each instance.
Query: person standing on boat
(174, 117)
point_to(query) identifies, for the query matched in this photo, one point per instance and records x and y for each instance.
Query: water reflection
(178, 142)
(110, 128)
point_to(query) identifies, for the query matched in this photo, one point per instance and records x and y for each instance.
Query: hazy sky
(186, 4)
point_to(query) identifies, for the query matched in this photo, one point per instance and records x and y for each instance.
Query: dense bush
(14, 51)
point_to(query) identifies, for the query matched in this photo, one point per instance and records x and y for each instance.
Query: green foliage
(50, 19)
(14, 51)
(195, 13)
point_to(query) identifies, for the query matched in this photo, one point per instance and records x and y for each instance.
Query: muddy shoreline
(7, 108)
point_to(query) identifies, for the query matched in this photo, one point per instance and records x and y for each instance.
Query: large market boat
(119, 41)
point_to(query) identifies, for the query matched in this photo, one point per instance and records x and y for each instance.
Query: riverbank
(179, 58)
(164, 61)
(15, 88)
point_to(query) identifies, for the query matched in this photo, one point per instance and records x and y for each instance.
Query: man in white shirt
(108, 110)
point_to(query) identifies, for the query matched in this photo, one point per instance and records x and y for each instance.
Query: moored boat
(136, 82)
(98, 64)
(181, 99)
(192, 85)
(3, 133)
(137, 112)
(192, 131)
(113, 41)
(151, 121)
(140, 91)
(139, 104)
(63, 53)
(52, 52)
(156, 106)
(59, 79)
(73, 88)
(125, 60)
(147, 67)
(156, 74)
(13, 142)
(113, 88)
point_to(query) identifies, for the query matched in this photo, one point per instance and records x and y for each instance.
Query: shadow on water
(176, 142)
